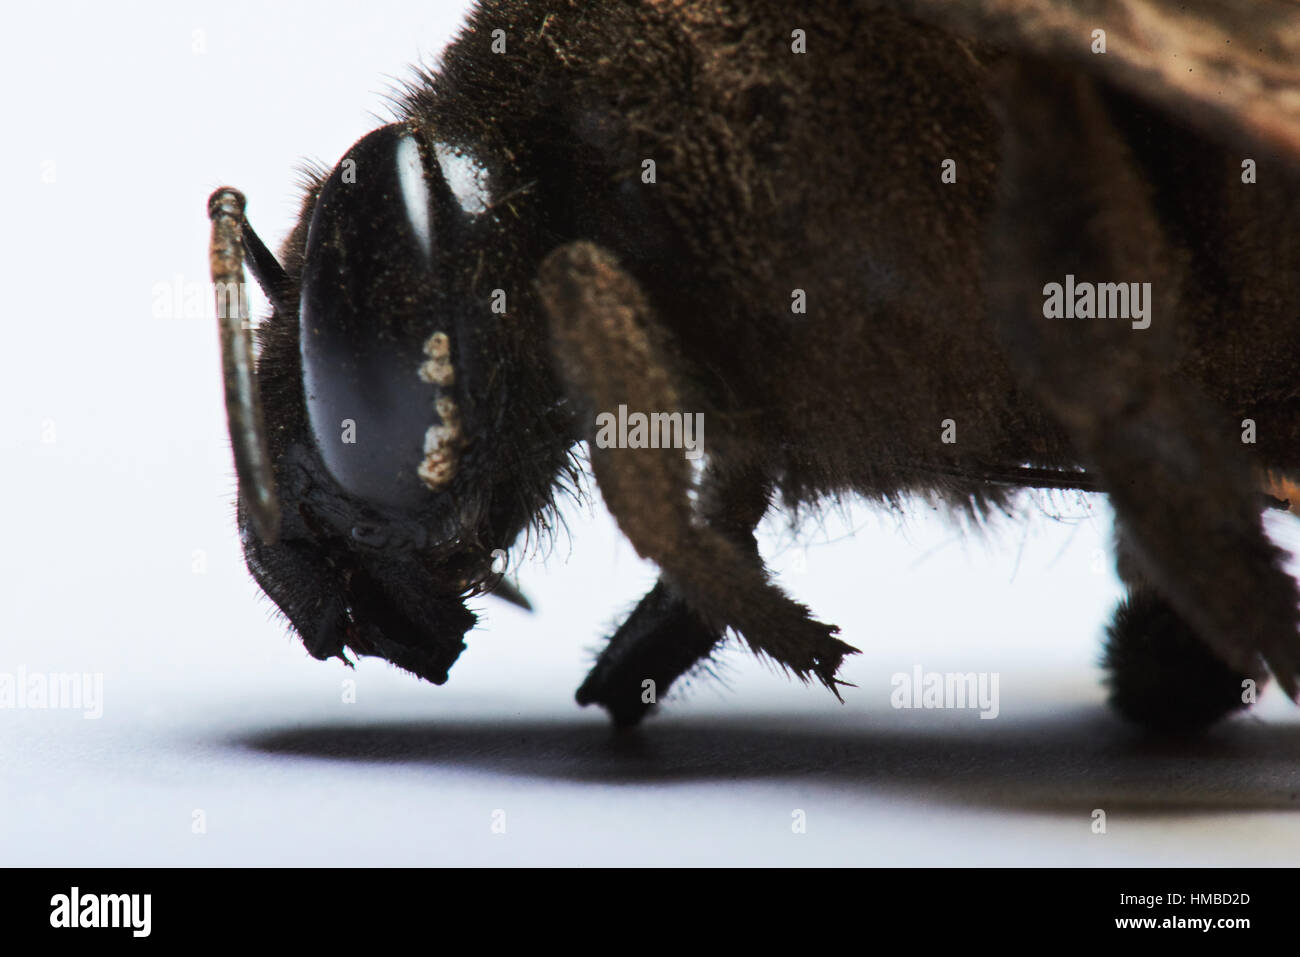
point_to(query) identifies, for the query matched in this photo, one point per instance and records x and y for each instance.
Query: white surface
(209, 705)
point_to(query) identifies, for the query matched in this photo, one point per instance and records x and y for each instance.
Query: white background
(211, 706)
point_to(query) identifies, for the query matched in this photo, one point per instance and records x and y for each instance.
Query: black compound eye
(377, 324)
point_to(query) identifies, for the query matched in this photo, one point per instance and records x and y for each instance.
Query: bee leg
(1074, 200)
(1159, 672)
(611, 352)
(664, 638)
(658, 643)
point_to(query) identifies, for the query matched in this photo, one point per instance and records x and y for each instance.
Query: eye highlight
(465, 177)
(415, 192)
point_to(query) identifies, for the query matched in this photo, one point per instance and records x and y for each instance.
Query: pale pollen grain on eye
(437, 368)
(441, 447)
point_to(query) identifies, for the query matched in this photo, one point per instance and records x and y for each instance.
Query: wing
(1230, 67)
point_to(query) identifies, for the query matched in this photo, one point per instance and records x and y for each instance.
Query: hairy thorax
(837, 322)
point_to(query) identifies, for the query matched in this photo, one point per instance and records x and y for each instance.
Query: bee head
(391, 488)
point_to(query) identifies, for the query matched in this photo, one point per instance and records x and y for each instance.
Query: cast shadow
(1072, 761)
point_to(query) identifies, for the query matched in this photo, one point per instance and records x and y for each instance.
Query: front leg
(612, 351)
(664, 637)
(659, 642)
